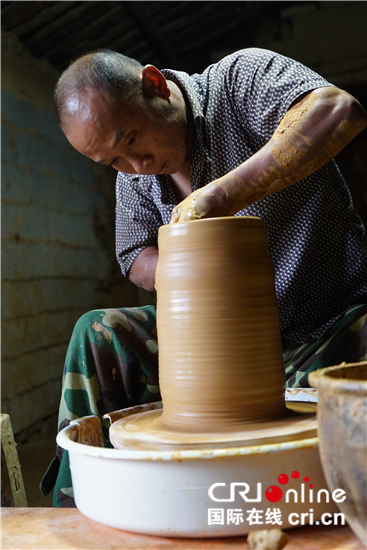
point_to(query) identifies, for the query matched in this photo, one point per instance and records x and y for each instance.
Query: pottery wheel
(145, 431)
(221, 371)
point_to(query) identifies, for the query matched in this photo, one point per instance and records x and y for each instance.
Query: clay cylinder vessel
(220, 357)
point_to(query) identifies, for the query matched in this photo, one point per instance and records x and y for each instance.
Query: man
(255, 134)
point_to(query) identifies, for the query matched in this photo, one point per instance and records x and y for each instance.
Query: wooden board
(67, 528)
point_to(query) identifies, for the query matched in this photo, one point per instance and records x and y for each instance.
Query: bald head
(105, 71)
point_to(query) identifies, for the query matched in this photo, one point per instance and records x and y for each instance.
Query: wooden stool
(12, 486)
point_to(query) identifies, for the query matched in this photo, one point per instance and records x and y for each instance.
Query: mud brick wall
(57, 242)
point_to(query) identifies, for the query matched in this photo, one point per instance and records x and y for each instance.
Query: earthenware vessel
(342, 428)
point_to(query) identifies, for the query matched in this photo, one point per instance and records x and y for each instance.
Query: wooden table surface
(67, 528)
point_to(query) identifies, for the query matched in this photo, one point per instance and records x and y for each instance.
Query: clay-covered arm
(142, 272)
(312, 132)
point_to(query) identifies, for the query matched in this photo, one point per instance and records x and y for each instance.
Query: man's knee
(87, 320)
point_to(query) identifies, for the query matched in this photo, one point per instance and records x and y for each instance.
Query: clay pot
(342, 427)
(220, 357)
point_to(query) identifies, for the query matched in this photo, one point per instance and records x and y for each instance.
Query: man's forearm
(311, 133)
(142, 272)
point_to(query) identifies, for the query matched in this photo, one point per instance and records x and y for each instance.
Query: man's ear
(154, 82)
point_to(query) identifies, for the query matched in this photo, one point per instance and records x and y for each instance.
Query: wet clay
(221, 369)
(145, 431)
(220, 358)
(294, 153)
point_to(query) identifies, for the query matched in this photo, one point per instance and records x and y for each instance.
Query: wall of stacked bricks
(57, 242)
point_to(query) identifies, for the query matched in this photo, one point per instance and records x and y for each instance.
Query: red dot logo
(273, 493)
(295, 474)
(283, 479)
(310, 485)
(306, 479)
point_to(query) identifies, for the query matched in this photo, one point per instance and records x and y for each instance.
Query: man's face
(149, 138)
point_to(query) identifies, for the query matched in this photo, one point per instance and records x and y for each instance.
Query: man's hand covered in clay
(210, 201)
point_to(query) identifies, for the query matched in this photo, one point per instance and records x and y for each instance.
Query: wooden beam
(72, 14)
(146, 23)
(71, 44)
(43, 18)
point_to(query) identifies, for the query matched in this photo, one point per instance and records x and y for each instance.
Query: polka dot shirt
(316, 240)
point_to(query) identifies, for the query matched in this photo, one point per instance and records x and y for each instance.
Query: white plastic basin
(167, 493)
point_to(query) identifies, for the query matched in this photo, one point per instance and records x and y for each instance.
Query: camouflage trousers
(112, 363)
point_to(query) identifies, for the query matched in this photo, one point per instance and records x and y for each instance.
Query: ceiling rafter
(71, 43)
(178, 34)
(149, 29)
(43, 18)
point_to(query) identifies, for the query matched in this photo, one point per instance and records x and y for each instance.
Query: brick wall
(57, 242)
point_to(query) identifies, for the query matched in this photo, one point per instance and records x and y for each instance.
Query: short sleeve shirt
(316, 240)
